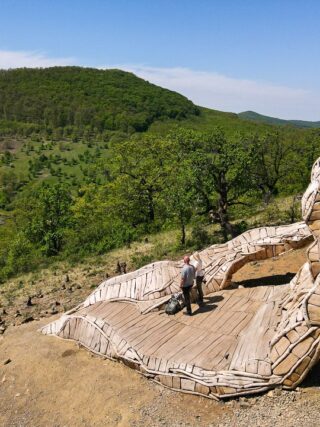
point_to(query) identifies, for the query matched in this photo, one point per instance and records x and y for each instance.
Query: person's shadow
(209, 304)
(273, 280)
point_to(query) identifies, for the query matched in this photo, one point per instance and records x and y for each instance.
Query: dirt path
(54, 383)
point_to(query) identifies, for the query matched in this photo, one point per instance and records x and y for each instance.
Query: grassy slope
(208, 120)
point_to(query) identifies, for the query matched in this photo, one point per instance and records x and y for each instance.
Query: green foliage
(9, 184)
(139, 260)
(200, 236)
(65, 99)
(43, 215)
(138, 177)
(22, 256)
(251, 115)
(96, 227)
(92, 160)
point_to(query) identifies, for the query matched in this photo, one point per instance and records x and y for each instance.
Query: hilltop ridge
(256, 117)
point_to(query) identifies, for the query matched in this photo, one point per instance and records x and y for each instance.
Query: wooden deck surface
(241, 341)
(214, 338)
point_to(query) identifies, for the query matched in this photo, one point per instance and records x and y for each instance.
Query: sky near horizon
(231, 55)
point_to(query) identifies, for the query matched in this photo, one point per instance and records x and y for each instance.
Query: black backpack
(175, 304)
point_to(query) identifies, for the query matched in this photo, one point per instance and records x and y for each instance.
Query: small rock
(244, 405)
(277, 391)
(53, 309)
(27, 319)
(78, 286)
(6, 361)
(17, 314)
(2, 329)
(63, 286)
(17, 395)
(270, 393)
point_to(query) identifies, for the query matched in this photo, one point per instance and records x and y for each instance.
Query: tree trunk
(226, 227)
(150, 205)
(183, 233)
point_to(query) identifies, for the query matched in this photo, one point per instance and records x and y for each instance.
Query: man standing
(197, 263)
(187, 278)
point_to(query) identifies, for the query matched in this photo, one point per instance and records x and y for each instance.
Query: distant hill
(251, 115)
(59, 97)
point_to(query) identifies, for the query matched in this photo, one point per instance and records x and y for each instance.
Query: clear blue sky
(275, 41)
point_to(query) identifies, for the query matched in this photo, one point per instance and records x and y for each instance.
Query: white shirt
(198, 266)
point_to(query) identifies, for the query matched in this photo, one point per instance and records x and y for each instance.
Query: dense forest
(75, 98)
(80, 176)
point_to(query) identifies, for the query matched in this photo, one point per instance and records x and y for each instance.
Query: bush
(22, 257)
(272, 215)
(140, 260)
(200, 236)
(240, 227)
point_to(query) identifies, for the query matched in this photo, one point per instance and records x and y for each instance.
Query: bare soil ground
(48, 382)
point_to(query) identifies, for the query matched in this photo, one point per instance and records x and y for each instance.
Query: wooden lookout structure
(242, 341)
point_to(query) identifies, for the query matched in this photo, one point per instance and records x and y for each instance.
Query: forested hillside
(74, 97)
(256, 117)
(92, 160)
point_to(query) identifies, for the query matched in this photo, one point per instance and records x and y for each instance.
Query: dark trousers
(199, 280)
(186, 295)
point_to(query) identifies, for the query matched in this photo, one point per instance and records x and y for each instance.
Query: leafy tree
(9, 184)
(220, 170)
(179, 196)
(230, 165)
(21, 256)
(44, 215)
(274, 164)
(138, 177)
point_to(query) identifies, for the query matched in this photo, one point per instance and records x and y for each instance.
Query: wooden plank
(176, 344)
(156, 330)
(187, 385)
(285, 366)
(155, 341)
(303, 347)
